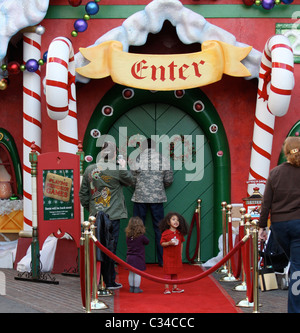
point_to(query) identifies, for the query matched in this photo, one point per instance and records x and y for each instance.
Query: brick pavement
(65, 297)
(273, 301)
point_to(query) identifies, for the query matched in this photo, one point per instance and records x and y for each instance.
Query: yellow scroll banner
(167, 71)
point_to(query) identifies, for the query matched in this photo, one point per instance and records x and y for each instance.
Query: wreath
(188, 149)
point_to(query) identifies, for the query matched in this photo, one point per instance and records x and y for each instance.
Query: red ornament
(13, 67)
(107, 110)
(75, 3)
(179, 93)
(128, 93)
(198, 106)
(3, 84)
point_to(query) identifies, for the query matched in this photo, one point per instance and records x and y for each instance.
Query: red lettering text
(172, 72)
(136, 70)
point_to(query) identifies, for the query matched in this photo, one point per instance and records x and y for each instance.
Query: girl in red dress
(173, 227)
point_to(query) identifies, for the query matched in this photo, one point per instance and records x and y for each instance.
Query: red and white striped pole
(32, 126)
(61, 93)
(275, 85)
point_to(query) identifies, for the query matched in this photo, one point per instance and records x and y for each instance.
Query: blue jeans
(157, 213)
(287, 233)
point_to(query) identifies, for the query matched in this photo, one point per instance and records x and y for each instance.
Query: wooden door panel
(159, 119)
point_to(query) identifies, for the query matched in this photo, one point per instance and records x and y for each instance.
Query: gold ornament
(3, 84)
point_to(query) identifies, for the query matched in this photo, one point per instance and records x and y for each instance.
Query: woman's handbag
(266, 274)
(267, 279)
(275, 255)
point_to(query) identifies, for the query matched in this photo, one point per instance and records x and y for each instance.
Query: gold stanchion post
(224, 268)
(242, 286)
(198, 260)
(255, 265)
(102, 290)
(245, 302)
(95, 304)
(86, 235)
(230, 277)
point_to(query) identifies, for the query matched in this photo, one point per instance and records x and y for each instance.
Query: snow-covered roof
(190, 26)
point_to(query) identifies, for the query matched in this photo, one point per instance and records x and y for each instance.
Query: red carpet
(202, 296)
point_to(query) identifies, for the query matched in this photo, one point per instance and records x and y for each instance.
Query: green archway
(121, 99)
(8, 142)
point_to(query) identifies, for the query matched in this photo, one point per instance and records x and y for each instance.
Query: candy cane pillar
(32, 126)
(61, 93)
(67, 128)
(275, 85)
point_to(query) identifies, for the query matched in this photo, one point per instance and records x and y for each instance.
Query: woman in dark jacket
(282, 200)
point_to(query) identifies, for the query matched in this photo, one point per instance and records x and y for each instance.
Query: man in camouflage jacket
(102, 190)
(152, 174)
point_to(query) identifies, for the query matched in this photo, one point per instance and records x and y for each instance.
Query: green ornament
(4, 67)
(86, 17)
(41, 62)
(74, 33)
(22, 68)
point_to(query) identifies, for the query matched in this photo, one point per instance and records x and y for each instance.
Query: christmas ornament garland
(266, 4)
(32, 65)
(14, 68)
(91, 8)
(189, 151)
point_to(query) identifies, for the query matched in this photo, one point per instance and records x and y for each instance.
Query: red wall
(234, 98)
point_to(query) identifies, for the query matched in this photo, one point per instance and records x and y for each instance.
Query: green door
(182, 113)
(164, 120)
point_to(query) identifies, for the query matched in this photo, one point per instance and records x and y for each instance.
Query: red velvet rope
(195, 218)
(241, 235)
(169, 281)
(91, 263)
(236, 266)
(82, 274)
(247, 268)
